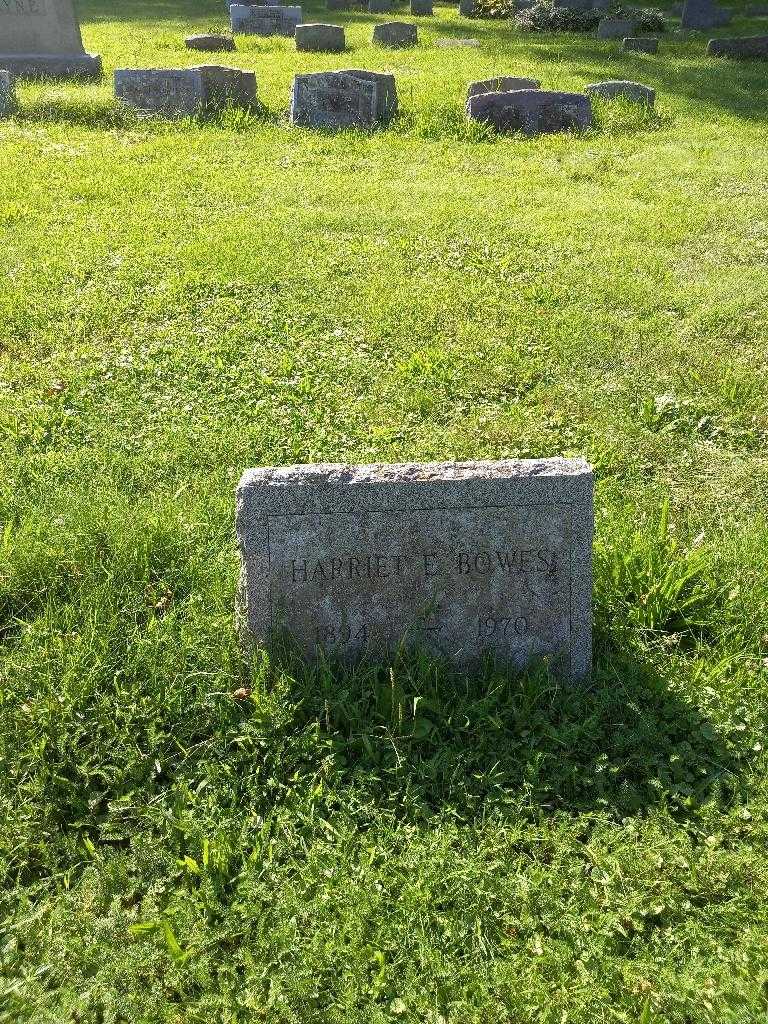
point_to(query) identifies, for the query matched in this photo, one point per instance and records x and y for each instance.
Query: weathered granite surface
(502, 84)
(7, 93)
(461, 559)
(343, 99)
(702, 14)
(395, 34)
(739, 48)
(616, 28)
(421, 7)
(264, 20)
(531, 111)
(41, 38)
(184, 92)
(633, 91)
(641, 44)
(319, 38)
(380, 6)
(210, 43)
(467, 8)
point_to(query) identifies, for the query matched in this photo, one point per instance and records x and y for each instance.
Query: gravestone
(421, 8)
(343, 99)
(264, 20)
(7, 94)
(641, 44)
(338, 5)
(502, 84)
(380, 6)
(184, 92)
(633, 91)
(703, 14)
(395, 35)
(739, 48)
(463, 560)
(467, 8)
(210, 43)
(616, 28)
(531, 111)
(41, 39)
(317, 38)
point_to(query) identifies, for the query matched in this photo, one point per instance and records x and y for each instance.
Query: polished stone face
(39, 27)
(463, 560)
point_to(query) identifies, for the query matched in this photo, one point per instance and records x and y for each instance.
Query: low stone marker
(531, 111)
(379, 6)
(338, 5)
(7, 93)
(318, 38)
(463, 560)
(739, 48)
(395, 34)
(421, 8)
(449, 44)
(502, 84)
(343, 99)
(185, 92)
(616, 28)
(263, 20)
(633, 91)
(467, 8)
(41, 39)
(641, 44)
(211, 43)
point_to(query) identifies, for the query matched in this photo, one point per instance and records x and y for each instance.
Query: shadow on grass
(111, 115)
(420, 739)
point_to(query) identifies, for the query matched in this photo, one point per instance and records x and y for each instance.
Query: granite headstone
(464, 560)
(41, 39)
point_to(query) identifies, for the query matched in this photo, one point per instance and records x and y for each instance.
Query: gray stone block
(463, 560)
(739, 48)
(41, 39)
(531, 111)
(210, 43)
(616, 28)
(395, 34)
(318, 38)
(467, 8)
(421, 8)
(337, 5)
(343, 99)
(633, 91)
(703, 14)
(7, 93)
(185, 92)
(502, 84)
(640, 44)
(380, 6)
(264, 20)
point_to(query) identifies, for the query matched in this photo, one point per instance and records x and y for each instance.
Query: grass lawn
(180, 301)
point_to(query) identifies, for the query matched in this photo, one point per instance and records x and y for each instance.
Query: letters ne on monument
(461, 559)
(41, 39)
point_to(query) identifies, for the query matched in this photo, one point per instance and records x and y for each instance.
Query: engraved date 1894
(501, 627)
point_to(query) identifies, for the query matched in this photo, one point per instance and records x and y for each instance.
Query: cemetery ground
(185, 840)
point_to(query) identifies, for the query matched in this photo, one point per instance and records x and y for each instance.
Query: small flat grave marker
(184, 92)
(531, 111)
(461, 559)
(395, 34)
(264, 20)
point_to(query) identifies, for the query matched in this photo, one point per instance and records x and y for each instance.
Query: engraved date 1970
(497, 628)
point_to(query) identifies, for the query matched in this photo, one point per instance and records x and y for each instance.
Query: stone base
(41, 65)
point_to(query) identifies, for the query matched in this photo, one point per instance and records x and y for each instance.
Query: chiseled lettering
(348, 567)
(512, 560)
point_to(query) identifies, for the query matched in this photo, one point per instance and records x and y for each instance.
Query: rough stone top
(340, 474)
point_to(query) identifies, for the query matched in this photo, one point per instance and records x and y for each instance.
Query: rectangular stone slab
(463, 560)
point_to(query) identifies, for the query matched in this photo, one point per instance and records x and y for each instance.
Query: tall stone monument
(41, 39)
(464, 560)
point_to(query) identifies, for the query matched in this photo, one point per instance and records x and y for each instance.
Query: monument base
(43, 65)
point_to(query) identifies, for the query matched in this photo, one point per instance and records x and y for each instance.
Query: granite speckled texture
(460, 559)
(41, 39)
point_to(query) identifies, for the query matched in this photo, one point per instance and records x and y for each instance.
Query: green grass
(180, 301)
